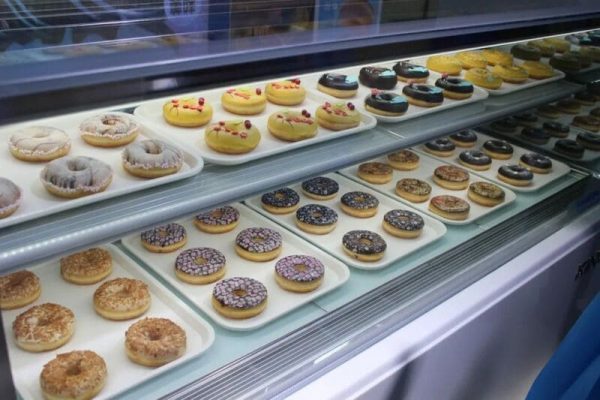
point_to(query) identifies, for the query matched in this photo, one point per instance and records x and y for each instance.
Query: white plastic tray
(193, 138)
(332, 242)
(425, 172)
(107, 338)
(311, 82)
(559, 169)
(37, 202)
(280, 301)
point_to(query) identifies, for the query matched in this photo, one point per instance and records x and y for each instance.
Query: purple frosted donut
(281, 198)
(300, 268)
(200, 261)
(164, 235)
(364, 242)
(258, 240)
(219, 216)
(240, 293)
(316, 214)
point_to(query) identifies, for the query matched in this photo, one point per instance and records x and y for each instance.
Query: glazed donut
(285, 93)
(451, 177)
(188, 112)
(506, 125)
(475, 159)
(154, 342)
(511, 73)
(77, 375)
(359, 204)
(218, 220)
(19, 289)
(164, 238)
(10, 197)
(556, 129)
(569, 147)
(444, 64)
(239, 298)
(200, 265)
(526, 119)
(589, 140)
(338, 85)
(538, 70)
(548, 111)
(232, 137)
(497, 57)
(586, 98)
(258, 244)
(485, 194)
(403, 160)
(413, 190)
(587, 122)
(441, 147)
(375, 172)
(422, 95)
(498, 149)
(386, 103)
(299, 273)
(86, 267)
(151, 159)
(526, 52)
(569, 106)
(73, 177)
(408, 72)
(455, 88)
(561, 45)
(565, 62)
(547, 49)
(317, 219)
(515, 175)
(109, 130)
(484, 78)
(44, 327)
(280, 201)
(244, 101)
(122, 298)
(364, 245)
(377, 77)
(338, 116)
(471, 59)
(403, 223)
(320, 188)
(292, 126)
(449, 207)
(535, 135)
(465, 138)
(39, 143)
(536, 163)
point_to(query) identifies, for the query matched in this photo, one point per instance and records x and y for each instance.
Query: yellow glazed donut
(444, 64)
(232, 137)
(495, 57)
(244, 101)
(538, 70)
(484, 78)
(285, 93)
(546, 48)
(471, 59)
(561, 45)
(187, 112)
(292, 125)
(338, 116)
(511, 74)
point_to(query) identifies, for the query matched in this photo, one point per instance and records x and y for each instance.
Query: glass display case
(507, 163)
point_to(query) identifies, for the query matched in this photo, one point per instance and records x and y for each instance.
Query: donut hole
(360, 199)
(300, 267)
(74, 369)
(239, 292)
(280, 196)
(200, 261)
(216, 214)
(316, 214)
(110, 121)
(154, 335)
(74, 166)
(40, 135)
(44, 321)
(163, 234)
(365, 241)
(258, 239)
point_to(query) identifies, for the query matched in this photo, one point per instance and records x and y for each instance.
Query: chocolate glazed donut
(536, 162)
(411, 72)
(377, 77)
(515, 173)
(423, 95)
(387, 101)
(338, 81)
(455, 88)
(569, 147)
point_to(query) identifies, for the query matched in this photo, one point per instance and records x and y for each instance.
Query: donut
(536, 163)
(498, 149)
(485, 194)
(77, 375)
(526, 119)
(39, 143)
(547, 49)
(218, 220)
(484, 78)
(556, 129)
(419, 94)
(232, 137)
(585, 61)
(239, 298)
(338, 85)
(292, 126)
(299, 273)
(413, 190)
(44, 327)
(153, 342)
(587, 122)
(19, 289)
(187, 112)
(441, 147)
(569, 106)
(121, 299)
(109, 130)
(526, 52)
(86, 267)
(538, 70)
(377, 77)
(444, 64)
(258, 244)
(511, 73)
(10, 197)
(589, 140)
(403, 223)
(244, 101)
(506, 125)
(497, 57)
(565, 62)
(586, 98)
(338, 116)
(475, 159)
(285, 93)
(200, 265)
(403, 160)
(535, 135)
(449, 207)
(151, 159)
(375, 172)
(515, 175)
(408, 72)
(592, 52)
(320, 188)
(280, 201)
(164, 238)
(548, 111)
(364, 245)
(72, 177)
(569, 148)
(455, 88)
(451, 177)
(359, 204)
(317, 219)
(471, 59)
(386, 103)
(465, 138)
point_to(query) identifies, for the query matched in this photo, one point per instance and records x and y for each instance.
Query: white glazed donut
(151, 159)
(109, 130)
(10, 197)
(39, 143)
(73, 177)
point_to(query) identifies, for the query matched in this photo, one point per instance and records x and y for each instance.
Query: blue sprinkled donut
(403, 223)
(282, 200)
(320, 188)
(164, 238)
(364, 245)
(299, 273)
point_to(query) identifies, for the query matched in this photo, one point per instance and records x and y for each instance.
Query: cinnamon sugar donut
(44, 327)
(154, 342)
(86, 267)
(19, 289)
(122, 298)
